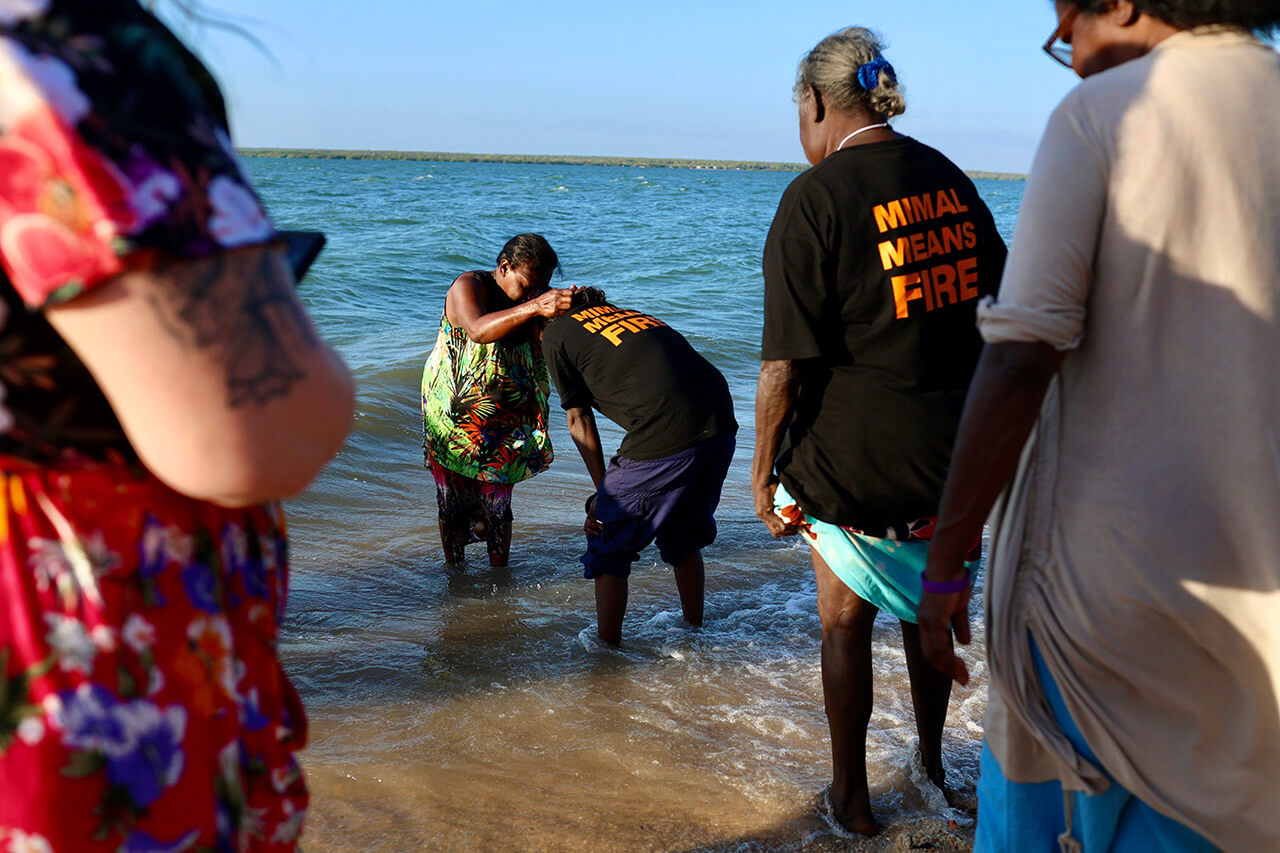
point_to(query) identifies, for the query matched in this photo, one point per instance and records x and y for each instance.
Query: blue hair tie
(869, 74)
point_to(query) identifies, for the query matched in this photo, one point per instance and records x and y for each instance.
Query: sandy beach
(472, 710)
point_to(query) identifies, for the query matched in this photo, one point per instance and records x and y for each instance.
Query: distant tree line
(557, 159)
(550, 159)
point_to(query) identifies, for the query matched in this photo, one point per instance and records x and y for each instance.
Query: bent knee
(851, 620)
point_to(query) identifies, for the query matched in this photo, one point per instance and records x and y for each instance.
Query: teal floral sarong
(882, 571)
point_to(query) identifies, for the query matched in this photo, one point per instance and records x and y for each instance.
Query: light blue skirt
(1018, 816)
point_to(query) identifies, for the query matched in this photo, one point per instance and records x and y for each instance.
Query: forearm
(494, 326)
(222, 385)
(775, 397)
(583, 431)
(1001, 410)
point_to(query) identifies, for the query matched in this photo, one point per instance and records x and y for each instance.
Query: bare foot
(937, 774)
(854, 813)
(865, 826)
(962, 799)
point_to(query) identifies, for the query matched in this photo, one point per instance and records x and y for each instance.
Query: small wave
(591, 643)
(561, 189)
(453, 259)
(423, 177)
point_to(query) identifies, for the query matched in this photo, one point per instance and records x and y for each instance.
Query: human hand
(592, 526)
(763, 494)
(939, 616)
(554, 302)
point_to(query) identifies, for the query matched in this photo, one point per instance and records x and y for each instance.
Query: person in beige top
(1123, 429)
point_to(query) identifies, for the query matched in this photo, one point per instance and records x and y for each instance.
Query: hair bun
(869, 74)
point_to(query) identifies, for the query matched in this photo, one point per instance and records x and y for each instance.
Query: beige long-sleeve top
(1140, 539)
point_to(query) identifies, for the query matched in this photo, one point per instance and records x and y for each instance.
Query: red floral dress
(142, 705)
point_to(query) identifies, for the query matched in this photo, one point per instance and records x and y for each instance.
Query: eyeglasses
(1061, 52)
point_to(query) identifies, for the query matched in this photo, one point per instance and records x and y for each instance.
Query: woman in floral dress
(484, 394)
(164, 387)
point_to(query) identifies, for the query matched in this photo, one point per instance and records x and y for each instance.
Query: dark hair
(1261, 16)
(197, 17)
(530, 250)
(586, 296)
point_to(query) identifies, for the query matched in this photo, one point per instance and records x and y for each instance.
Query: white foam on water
(398, 658)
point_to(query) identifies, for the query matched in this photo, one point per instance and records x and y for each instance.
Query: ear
(819, 109)
(1124, 13)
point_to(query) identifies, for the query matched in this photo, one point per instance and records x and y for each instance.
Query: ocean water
(474, 710)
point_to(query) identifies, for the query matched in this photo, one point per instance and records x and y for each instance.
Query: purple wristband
(946, 587)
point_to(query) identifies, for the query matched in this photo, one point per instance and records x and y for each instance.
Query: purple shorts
(672, 499)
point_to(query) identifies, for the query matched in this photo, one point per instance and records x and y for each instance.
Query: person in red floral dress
(163, 388)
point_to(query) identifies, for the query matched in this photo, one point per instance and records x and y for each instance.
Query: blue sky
(666, 78)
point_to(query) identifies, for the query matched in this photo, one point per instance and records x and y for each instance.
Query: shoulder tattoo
(243, 305)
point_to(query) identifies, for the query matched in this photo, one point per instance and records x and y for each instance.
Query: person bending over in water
(665, 482)
(484, 395)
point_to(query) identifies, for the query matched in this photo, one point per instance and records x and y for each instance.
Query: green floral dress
(484, 407)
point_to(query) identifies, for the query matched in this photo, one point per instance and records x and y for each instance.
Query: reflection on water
(479, 582)
(464, 710)
(460, 710)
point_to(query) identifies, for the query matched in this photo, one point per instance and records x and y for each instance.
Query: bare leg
(454, 524)
(930, 692)
(500, 548)
(847, 621)
(497, 529)
(452, 539)
(611, 604)
(691, 584)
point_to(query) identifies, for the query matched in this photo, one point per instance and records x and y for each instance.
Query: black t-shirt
(639, 373)
(873, 268)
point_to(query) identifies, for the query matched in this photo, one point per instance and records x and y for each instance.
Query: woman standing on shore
(484, 395)
(164, 388)
(873, 268)
(1133, 587)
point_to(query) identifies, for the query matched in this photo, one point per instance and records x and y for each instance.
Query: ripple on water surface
(470, 709)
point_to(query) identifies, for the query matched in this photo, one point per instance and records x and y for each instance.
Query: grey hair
(832, 68)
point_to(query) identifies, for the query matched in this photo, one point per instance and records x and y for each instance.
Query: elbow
(244, 488)
(272, 470)
(778, 373)
(1025, 368)
(232, 485)
(576, 423)
(776, 387)
(582, 426)
(251, 462)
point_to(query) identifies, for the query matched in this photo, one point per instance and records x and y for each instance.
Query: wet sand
(470, 711)
(533, 817)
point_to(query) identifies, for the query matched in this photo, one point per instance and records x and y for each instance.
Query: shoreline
(459, 710)
(557, 160)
